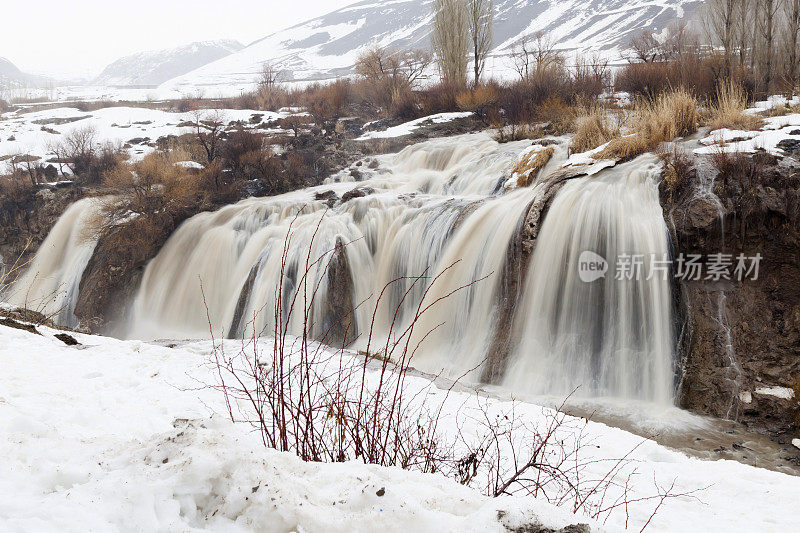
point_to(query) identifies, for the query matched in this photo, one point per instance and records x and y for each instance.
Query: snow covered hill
(327, 46)
(154, 67)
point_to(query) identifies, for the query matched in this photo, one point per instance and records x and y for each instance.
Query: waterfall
(50, 283)
(608, 336)
(437, 208)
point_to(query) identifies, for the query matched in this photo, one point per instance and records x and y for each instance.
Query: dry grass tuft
(728, 111)
(528, 167)
(593, 130)
(670, 115)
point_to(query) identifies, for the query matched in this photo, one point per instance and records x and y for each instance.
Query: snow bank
(408, 128)
(121, 435)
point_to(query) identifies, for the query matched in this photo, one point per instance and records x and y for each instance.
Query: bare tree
(720, 20)
(450, 39)
(745, 32)
(767, 29)
(792, 41)
(400, 67)
(209, 129)
(270, 85)
(481, 21)
(534, 54)
(646, 47)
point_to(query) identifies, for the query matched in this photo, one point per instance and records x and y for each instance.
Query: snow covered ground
(121, 436)
(35, 133)
(774, 131)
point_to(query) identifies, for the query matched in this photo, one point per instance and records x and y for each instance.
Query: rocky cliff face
(26, 220)
(740, 340)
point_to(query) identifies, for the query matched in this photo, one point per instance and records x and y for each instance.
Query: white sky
(77, 38)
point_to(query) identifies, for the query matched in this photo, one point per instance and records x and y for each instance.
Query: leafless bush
(87, 158)
(314, 402)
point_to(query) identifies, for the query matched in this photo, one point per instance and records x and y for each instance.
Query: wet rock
(358, 192)
(339, 325)
(329, 197)
(11, 323)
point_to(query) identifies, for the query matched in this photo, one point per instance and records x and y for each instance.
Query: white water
(437, 211)
(50, 284)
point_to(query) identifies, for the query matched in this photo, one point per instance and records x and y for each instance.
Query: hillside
(154, 67)
(327, 46)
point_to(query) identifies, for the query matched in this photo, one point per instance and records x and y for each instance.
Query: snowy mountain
(157, 66)
(327, 46)
(12, 77)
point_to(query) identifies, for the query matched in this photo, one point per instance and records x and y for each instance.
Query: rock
(11, 323)
(69, 340)
(329, 197)
(358, 192)
(789, 145)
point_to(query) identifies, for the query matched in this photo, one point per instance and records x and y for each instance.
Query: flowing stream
(437, 209)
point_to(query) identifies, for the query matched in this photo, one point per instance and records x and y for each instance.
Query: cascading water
(608, 336)
(50, 284)
(437, 208)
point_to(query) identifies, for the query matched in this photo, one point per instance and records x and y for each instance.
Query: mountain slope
(12, 77)
(327, 46)
(157, 66)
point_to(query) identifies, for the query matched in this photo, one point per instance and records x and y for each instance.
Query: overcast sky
(79, 37)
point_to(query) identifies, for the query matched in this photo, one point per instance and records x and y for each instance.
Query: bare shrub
(88, 159)
(480, 100)
(328, 102)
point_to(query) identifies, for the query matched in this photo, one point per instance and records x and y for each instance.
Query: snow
(796, 443)
(122, 435)
(774, 131)
(111, 124)
(784, 393)
(408, 128)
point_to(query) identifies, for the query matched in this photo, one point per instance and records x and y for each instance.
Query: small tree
(450, 39)
(209, 129)
(270, 86)
(391, 73)
(535, 54)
